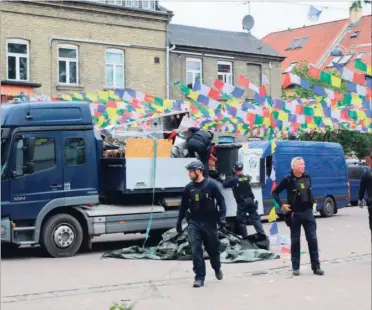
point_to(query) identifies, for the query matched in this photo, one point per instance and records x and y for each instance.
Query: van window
(355, 172)
(269, 166)
(75, 151)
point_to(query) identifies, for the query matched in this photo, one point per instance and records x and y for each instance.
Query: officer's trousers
(196, 147)
(369, 205)
(241, 217)
(204, 233)
(307, 220)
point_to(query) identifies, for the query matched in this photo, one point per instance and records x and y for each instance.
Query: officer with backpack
(299, 208)
(199, 200)
(244, 197)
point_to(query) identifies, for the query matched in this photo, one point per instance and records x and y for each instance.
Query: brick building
(60, 47)
(207, 54)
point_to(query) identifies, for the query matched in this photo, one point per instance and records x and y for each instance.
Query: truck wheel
(61, 236)
(328, 208)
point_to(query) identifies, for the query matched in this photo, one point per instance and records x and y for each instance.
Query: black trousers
(369, 205)
(204, 233)
(307, 220)
(197, 148)
(241, 216)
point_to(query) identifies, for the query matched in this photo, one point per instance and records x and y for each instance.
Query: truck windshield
(4, 150)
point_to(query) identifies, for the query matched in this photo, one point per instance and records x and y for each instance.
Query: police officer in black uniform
(199, 201)
(300, 208)
(244, 197)
(200, 143)
(366, 185)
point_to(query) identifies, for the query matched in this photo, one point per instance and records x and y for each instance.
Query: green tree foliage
(353, 143)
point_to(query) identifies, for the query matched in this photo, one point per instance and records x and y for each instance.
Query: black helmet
(238, 166)
(195, 165)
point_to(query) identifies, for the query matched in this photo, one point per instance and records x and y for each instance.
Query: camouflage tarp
(176, 247)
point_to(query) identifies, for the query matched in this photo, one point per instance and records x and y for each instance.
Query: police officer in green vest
(244, 197)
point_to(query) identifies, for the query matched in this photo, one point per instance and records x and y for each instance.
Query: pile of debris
(174, 246)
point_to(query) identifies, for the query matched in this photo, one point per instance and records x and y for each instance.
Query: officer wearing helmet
(199, 200)
(244, 197)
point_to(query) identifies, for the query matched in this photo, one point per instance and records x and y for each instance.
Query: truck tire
(61, 235)
(328, 208)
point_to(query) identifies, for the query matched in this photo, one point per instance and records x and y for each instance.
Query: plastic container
(226, 139)
(227, 155)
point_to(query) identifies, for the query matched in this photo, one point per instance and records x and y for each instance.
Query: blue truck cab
(325, 162)
(58, 191)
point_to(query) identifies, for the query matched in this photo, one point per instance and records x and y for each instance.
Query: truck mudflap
(6, 229)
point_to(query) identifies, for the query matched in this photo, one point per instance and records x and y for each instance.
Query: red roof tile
(321, 39)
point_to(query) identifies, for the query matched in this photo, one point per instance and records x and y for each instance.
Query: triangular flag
(273, 186)
(273, 146)
(274, 229)
(272, 215)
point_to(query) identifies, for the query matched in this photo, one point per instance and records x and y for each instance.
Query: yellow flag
(273, 146)
(272, 215)
(335, 81)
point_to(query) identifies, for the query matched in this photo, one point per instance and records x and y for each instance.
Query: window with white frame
(193, 70)
(225, 71)
(343, 60)
(18, 60)
(114, 68)
(132, 3)
(148, 4)
(68, 64)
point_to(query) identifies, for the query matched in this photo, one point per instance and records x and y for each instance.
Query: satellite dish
(248, 22)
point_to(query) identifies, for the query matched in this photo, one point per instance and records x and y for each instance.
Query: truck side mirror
(28, 149)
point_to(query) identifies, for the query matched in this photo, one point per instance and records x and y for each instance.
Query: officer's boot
(219, 274)
(198, 283)
(318, 271)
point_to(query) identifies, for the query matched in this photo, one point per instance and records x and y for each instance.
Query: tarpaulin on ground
(175, 246)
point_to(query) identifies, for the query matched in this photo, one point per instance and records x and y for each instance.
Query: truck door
(79, 163)
(30, 192)
(251, 161)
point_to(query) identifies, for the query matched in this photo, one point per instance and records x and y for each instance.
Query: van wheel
(328, 208)
(61, 236)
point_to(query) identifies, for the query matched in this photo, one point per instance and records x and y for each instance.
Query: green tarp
(176, 247)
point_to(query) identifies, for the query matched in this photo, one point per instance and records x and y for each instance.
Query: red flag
(314, 72)
(243, 81)
(218, 84)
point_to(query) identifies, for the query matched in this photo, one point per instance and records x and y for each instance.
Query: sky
(269, 16)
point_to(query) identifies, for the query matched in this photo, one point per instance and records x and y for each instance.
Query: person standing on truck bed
(244, 197)
(366, 185)
(198, 200)
(300, 209)
(200, 142)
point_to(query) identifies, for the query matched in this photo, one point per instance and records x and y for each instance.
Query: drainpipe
(167, 66)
